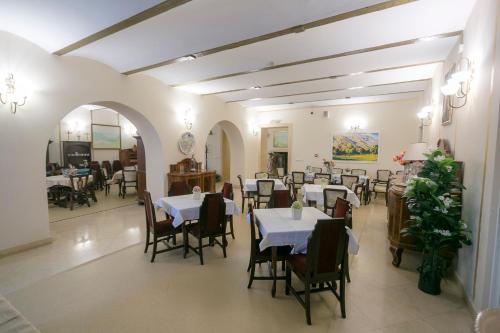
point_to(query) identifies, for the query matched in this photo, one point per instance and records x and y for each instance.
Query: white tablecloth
(278, 228)
(251, 185)
(312, 192)
(335, 177)
(60, 180)
(185, 208)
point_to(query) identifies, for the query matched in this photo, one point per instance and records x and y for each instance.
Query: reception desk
(203, 179)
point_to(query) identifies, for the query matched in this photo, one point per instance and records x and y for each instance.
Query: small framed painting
(106, 137)
(280, 139)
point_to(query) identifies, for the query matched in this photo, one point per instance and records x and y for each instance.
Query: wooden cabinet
(204, 179)
(141, 170)
(398, 216)
(128, 157)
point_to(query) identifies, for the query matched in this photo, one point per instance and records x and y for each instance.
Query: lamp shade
(416, 151)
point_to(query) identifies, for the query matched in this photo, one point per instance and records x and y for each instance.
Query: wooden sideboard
(398, 216)
(203, 179)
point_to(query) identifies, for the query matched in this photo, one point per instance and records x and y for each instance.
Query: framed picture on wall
(357, 147)
(280, 139)
(106, 137)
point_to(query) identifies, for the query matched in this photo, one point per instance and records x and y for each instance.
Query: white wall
(312, 133)
(473, 139)
(214, 146)
(57, 85)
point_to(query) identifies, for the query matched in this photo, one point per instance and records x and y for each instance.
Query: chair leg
(249, 264)
(307, 294)
(155, 243)
(252, 274)
(71, 201)
(288, 280)
(342, 296)
(200, 249)
(224, 243)
(231, 227)
(348, 277)
(147, 242)
(242, 203)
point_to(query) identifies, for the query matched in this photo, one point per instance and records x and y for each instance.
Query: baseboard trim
(25, 247)
(468, 301)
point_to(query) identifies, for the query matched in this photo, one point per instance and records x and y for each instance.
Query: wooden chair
(178, 188)
(330, 196)
(281, 173)
(298, 180)
(323, 264)
(358, 172)
(244, 195)
(337, 171)
(349, 181)
(316, 169)
(343, 210)
(107, 165)
(98, 179)
(381, 183)
(326, 176)
(79, 190)
(129, 179)
(161, 231)
(258, 257)
(108, 181)
(261, 175)
(265, 189)
(280, 199)
(227, 192)
(211, 224)
(117, 166)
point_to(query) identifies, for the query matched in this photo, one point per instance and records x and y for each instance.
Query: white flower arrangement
(442, 232)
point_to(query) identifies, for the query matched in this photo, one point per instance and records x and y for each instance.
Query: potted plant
(434, 202)
(196, 193)
(297, 210)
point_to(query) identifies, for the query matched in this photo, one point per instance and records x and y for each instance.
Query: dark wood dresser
(190, 172)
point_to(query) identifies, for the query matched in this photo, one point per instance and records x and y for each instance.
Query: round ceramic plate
(186, 143)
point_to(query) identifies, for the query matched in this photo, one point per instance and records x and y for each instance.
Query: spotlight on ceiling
(187, 58)
(355, 88)
(256, 87)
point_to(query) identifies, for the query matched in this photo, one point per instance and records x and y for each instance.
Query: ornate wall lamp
(10, 95)
(458, 83)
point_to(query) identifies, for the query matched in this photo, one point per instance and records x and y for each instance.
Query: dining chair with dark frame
(265, 189)
(330, 196)
(244, 195)
(227, 193)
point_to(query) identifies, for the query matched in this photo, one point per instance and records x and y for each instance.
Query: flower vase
(297, 213)
(196, 195)
(429, 280)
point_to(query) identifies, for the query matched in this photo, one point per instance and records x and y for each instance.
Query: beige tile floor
(123, 292)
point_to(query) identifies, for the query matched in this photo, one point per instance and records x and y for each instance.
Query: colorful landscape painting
(361, 147)
(106, 137)
(280, 139)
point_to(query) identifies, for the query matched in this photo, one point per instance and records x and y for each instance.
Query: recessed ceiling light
(356, 73)
(354, 88)
(187, 58)
(255, 99)
(427, 39)
(256, 87)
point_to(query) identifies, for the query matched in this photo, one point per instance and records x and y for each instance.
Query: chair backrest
(261, 175)
(383, 175)
(330, 196)
(326, 249)
(129, 176)
(358, 172)
(298, 177)
(323, 175)
(94, 165)
(105, 173)
(212, 214)
(150, 212)
(316, 169)
(117, 165)
(241, 185)
(265, 187)
(343, 209)
(107, 165)
(281, 199)
(178, 188)
(399, 172)
(253, 232)
(79, 183)
(281, 172)
(337, 171)
(349, 181)
(227, 191)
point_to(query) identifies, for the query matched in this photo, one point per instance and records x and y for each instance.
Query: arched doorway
(133, 135)
(224, 151)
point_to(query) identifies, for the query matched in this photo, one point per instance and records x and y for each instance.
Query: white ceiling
(199, 25)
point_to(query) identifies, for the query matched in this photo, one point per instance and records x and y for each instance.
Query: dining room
(217, 165)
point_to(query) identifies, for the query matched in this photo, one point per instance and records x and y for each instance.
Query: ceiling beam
(326, 91)
(300, 28)
(423, 39)
(338, 99)
(158, 9)
(330, 77)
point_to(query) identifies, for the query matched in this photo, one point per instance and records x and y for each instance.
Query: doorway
(275, 150)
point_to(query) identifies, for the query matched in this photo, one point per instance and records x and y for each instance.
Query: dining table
(279, 228)
(313, 192)
(251, 185)
(184, 208)
(61, 180)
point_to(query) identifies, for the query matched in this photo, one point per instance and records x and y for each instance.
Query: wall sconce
(188, 124)
(425, 120)
(458, 83)
(10, 95)
(255, 131)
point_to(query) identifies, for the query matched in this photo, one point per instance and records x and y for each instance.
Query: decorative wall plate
(186, 143)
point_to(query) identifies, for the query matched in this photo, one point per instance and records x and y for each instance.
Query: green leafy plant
(434, 203)
(297, 205)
